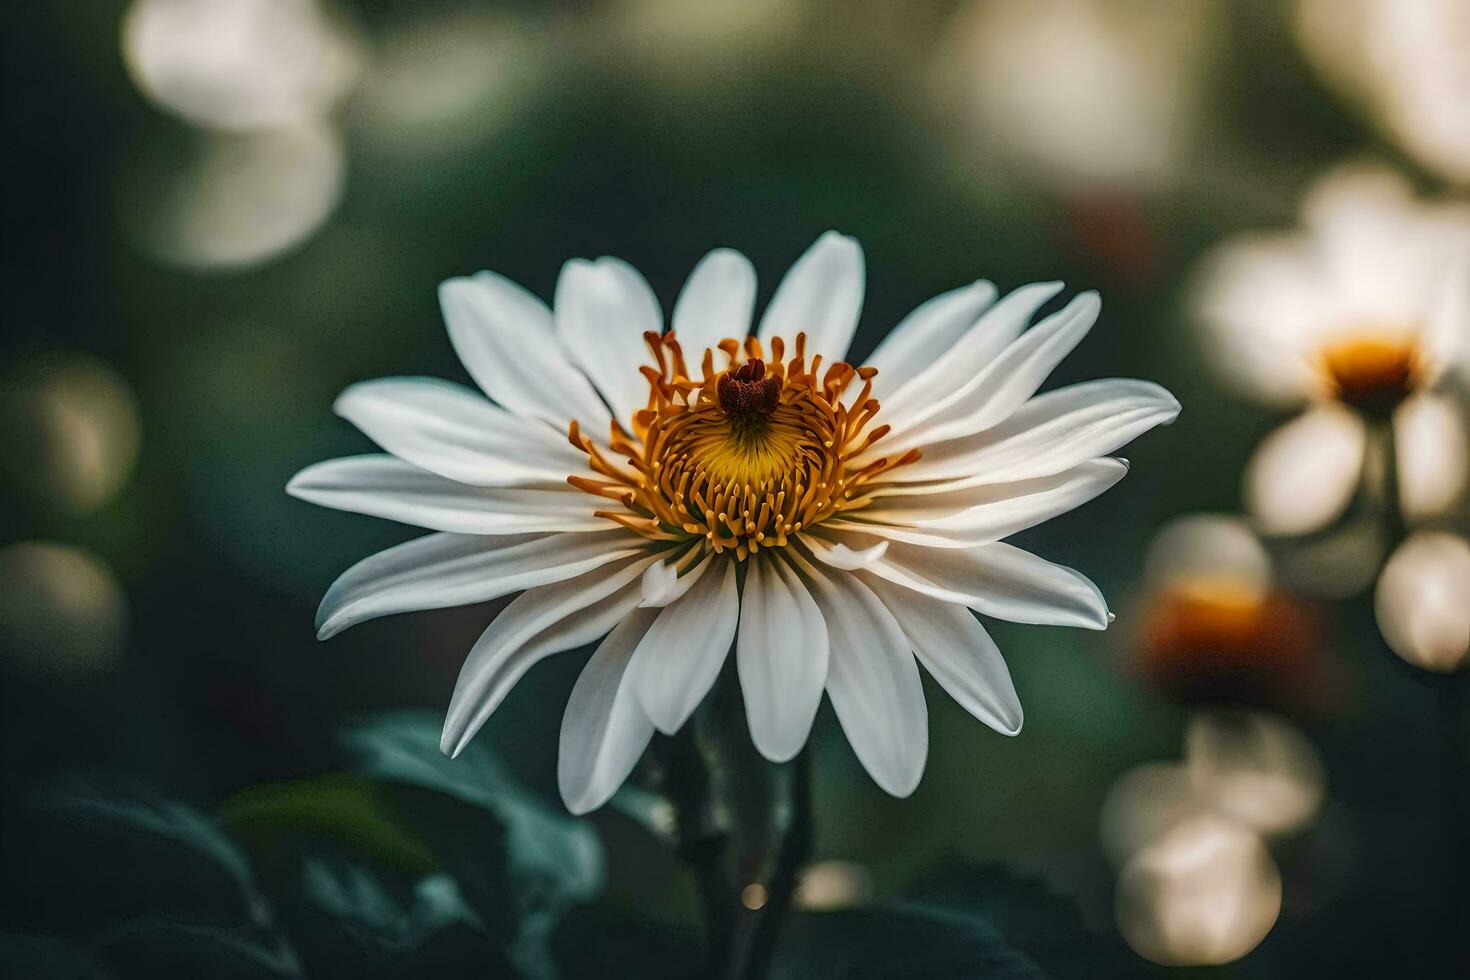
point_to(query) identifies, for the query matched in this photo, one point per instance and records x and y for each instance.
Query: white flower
(1365, 307)
(681, 493)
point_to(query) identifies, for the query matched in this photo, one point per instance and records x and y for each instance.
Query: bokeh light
(1256, 768)
(240, 64)
(1092, 93)
(450, 78)
(63, 614)
(830, 885)
(219, 201)
(71, 430)
(1423, 601)
(1205, 893)
(1142, 805)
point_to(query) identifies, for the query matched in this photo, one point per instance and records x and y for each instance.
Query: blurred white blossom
(1407, 62)
(1092, 93)
(1367, 307)
(240, 64)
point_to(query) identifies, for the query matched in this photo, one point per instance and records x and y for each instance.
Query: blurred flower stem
(702, 842)
(756, 945)
(740, 936)
(1454, 713)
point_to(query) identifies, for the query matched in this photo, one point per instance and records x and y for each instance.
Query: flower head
(681, 493)
(1362, 315)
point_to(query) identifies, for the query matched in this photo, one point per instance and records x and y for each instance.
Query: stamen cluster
(745, 457)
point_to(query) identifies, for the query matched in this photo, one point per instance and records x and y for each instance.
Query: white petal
(538, 622)
(994, 579)
(1302, 476)
(504, 336)
(450, 430)
(872, 680)
(681, 655)
(956, 650)
(1050, 433)
(1446, 332)
(384, 486)
(840, 556)
(821, 295)
(996, 330)
(603, 309)
(781, 653)
(990, 512)
(442, 570)
(1433, 445)
(926, 335)
(715, 303)
(603, 731)
(992, 395)
(662, 583)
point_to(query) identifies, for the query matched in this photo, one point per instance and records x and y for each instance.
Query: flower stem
(1454, 731)
(762, 928)
(701, 840)
(1454, 722)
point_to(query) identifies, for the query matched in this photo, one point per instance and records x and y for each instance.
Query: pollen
(757, 447)
(1372, 371)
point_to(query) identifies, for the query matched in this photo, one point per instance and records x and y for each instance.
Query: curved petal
(996, 329)
(956, 650)
(715, 303)
(679, 658)
(504, 336)
(1048, 434)
(537, 623)
(603, 309)
(442, 570)
(450, 430)
(872, 680)
(994, 579)
(990, 512)
(603, 731)
(662, 583)
(927, 334)
(781, 654)
(1303, 475)
(840, 556)
(992, 395)
(385, 486)
(821, 295)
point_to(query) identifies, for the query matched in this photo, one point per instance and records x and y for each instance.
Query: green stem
(762, 929)
(1454, 732)
(701, 840)
(1454, 723)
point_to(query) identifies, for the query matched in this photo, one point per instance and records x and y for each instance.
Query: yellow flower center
(1372, 371)
(743, 458)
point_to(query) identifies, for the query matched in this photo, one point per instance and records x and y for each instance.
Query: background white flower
(1363, 310)
(688, 491)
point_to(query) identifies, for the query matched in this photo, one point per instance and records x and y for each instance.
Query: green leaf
(95, 856)
(520, 862)
(336, 806)
(357, 897)
(44, 958)
(1047, 926)
(166, 948)
(357, 922)
(897, 942)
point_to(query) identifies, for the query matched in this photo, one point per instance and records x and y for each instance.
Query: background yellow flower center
(1372, 371)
